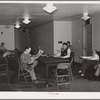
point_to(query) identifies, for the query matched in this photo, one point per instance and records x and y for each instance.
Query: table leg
(47, 84)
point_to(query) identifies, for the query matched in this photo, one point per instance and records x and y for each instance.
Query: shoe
(95, 77)
(91, 80)
(35, 81)
(80, 72)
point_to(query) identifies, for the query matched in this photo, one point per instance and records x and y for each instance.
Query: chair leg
(21, 73)
(71, 78)
(18, 74)
(24, 76)
(71, 74)
(57, 84)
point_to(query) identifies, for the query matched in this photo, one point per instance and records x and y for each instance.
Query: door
(87, 40)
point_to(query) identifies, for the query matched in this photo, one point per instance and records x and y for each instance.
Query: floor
(79, 84)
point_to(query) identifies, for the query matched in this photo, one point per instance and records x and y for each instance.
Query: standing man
(28, 62)
(70, 46)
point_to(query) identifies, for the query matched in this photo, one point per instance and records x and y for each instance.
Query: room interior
(64, 24)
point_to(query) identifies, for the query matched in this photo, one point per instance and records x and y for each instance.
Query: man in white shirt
(89, 61)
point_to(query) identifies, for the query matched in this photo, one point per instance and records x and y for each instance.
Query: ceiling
(10, 12)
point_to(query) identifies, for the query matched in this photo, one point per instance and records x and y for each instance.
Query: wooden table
(50, 61)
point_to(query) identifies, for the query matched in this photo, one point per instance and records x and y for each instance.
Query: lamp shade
(49, 8)
(26, 20)
(85, 16)
(17, 25)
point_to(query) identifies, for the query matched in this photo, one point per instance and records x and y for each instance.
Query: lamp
(26, 20)
(49, 8)
(85, 16)
(17, 25)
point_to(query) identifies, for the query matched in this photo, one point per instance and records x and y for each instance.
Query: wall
(21, 38)
(8, 36)
(96, 32)
(42, 36)
(47, 36)
(77, 38)
(62, 32)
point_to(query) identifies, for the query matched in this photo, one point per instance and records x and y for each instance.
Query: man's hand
(62, 57)
(29, 68)
(41, 51)
(81, 57)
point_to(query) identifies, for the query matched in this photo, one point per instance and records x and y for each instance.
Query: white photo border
(51, 95)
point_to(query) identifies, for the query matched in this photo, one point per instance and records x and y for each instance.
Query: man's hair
(64, 43)
(2, 43)
(95, 51)
(27, 48)
(68, 42)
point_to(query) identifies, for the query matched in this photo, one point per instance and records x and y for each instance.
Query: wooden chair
(22, 72)
(4, 67)
(64, 75)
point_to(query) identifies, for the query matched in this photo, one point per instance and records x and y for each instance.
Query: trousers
(87, 63)
(31, 69)
(97, 67)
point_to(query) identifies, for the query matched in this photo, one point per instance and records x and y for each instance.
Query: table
(13, 68)
(50, 61)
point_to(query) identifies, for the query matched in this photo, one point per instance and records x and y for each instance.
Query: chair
(22, 72)
(4, 67)
(72, 57)
(64, 75)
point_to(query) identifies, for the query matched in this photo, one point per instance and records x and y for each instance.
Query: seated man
(97, 72)
(2, 47)
(28, 62)
(89, 61)
(65, 51)
(3, 51)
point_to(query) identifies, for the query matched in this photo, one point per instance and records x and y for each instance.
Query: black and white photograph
(50, 47)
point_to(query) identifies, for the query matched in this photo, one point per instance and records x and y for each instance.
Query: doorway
(87, 40)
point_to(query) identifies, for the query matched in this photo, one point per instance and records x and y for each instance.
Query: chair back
(3, 66)
(71, 61)
(22, 72)
(71, 56)
(19, 63)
